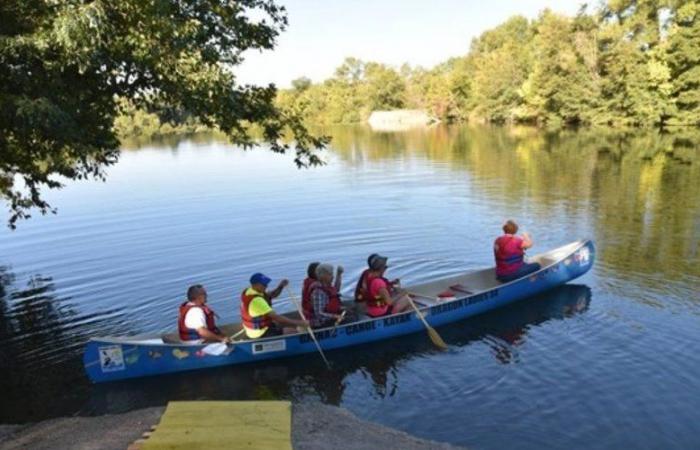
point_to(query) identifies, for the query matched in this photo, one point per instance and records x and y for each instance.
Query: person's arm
(282, 320)
(208, 335)
(196, 320)
(380, 286)
(339, 278)
(278, 290)
(319, 300)
(527, 241)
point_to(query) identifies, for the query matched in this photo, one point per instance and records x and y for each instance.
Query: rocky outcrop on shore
(399, 119)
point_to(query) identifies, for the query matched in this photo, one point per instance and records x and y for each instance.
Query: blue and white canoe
(118, 358)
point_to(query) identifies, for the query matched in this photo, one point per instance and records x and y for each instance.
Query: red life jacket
(362, 288)
(189, 334)
(306, 290)
(332, 307)
(377, 301)
(253, 323)
(509, 254)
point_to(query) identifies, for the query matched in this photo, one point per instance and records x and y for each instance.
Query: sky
(322, 33)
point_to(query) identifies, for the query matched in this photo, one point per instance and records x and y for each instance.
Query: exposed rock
(316, 426)
(399, 119)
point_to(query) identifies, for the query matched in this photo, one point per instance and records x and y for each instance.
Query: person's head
(377, 263)
(324, 273)
(311, 270)
(197, 294)
(510, 227)
(259, 282)
(370, 258)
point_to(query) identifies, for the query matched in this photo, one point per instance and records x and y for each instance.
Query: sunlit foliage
(68, 66)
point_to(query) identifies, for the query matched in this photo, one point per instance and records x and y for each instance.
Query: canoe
(441, 301)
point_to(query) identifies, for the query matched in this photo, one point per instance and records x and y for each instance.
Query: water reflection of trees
(639, 187)
(503, 330)
(39, 351)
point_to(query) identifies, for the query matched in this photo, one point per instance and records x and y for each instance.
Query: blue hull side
(110, 360)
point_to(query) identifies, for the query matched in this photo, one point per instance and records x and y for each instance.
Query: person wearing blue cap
(257, 316)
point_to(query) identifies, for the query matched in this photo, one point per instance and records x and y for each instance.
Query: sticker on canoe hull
(268, 347)
(583, 256)
(111, 358)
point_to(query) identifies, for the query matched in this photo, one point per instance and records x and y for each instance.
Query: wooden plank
(221, 424)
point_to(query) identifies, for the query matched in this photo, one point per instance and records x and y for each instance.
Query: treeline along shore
(623, 64)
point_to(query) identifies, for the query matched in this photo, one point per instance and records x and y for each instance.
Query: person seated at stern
(258, 317)
(196, 320)
(384, 298)
(509, 251)
(324, 307)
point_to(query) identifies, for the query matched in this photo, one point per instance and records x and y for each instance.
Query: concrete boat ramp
(215, 425)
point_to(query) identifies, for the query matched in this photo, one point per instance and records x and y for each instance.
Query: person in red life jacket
(258, 317)
(308, 281)
(509, 251)
(196, 319)
(384, 296)
(362, 287)
(324, 307)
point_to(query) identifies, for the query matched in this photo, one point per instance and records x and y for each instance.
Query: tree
(502, 60)
(301, 84)
(635, 87)
(563, 85)
(383, 87)
(683, 56)
(65, 64)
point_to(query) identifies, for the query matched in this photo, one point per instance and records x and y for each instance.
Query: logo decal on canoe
(111, 358)
(180, 354)
(268, 347)
(583, 256)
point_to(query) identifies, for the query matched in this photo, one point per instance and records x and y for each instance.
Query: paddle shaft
(418, 311)
(311, 331)
(432, 334)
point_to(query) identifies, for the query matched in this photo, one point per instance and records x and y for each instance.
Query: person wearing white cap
(323, 306)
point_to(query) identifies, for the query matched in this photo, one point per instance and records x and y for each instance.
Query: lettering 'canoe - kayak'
(117, 358)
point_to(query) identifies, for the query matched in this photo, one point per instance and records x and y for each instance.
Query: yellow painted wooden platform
(223, 425)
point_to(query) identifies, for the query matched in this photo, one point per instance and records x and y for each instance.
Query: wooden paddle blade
(436, 338)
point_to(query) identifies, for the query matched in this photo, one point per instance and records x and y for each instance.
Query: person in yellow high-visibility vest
(257, 316)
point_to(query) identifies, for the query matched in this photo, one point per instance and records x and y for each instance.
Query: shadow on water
(40, 350)
(503, 330)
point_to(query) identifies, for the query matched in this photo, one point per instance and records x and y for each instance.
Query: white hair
(324, 269)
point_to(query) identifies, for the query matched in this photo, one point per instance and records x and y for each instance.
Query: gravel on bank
(315, 426)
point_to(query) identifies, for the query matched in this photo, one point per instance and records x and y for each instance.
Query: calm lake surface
(608, 361)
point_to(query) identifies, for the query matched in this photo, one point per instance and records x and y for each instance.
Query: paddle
(311, 331)
(337, 322)
(434, 336)
(220, 348)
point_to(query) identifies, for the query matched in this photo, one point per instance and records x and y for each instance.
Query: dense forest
(628, 63)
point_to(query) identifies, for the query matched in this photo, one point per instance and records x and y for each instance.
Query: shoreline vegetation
(626, 64)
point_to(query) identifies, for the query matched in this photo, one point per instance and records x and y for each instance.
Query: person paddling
(509, 251)
(258, 318)
(384, 297)
(196, 320)
(324, 307)
(362, 287)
